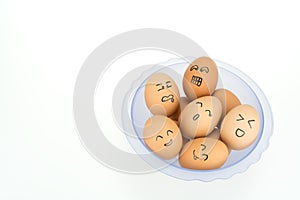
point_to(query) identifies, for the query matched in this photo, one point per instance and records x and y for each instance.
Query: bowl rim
(237, 167)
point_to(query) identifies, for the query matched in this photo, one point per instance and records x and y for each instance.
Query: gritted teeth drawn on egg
(200, 78)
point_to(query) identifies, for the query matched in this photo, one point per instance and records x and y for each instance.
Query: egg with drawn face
(200, 117)
(200, 78)
(162, 136)
(203, 154)
(161, 95)
(240, 127)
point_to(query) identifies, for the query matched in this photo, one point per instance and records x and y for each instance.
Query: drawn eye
(249, 122)
(203, 147)
(169, 131)
(199, 103)
(209, 112)
(241, 118)
(159, 136)
(194, 67)
(168, 84)
(160, 87)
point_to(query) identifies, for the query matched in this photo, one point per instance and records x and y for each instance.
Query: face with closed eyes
(240, 127)
(161, 95)
(162, 136)
(200, 117)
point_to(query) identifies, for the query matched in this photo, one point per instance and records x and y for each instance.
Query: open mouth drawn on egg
(169, 143)
(239, 132)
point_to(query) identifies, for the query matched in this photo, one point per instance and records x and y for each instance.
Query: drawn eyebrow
(249, 121)
(194, 67)
(162, 87)
(242, 118)
(200, 103)
(204, 147)
(169, 131)
(159, 136)
(168, 84)
(209, 112)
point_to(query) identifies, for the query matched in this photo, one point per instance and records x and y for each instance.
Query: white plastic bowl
(230, 78)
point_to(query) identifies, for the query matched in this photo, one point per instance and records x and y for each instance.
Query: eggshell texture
(162, 136)
(200, 117)
(215, 134)
(200, 78)
(161, 95)
(183, 101)
(240, 127)
(228, 100)
(203, 154)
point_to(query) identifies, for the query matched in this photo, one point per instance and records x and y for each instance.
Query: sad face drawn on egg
(161, 95)
(240, 127)
(162, 86)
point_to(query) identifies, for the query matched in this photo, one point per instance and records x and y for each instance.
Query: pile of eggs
(201, 128)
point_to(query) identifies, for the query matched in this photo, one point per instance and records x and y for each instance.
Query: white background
(42, 47)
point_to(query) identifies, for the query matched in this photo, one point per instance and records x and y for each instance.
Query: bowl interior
(227, 79)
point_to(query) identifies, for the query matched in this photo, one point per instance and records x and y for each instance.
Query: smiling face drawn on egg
(166, 140)
(162, 136)
(161, 95)
(200, 117)
(240, 127)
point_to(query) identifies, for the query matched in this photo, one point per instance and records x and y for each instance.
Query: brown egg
(228, 100)
(162, 136)
(240, 127)
(161, 95)
(203, 154)
(200, 117)
(200, 78)
(216, 135)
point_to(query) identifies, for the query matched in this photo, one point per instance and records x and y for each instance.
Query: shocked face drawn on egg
(168, 134)
(201, 155)
(240, 132)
